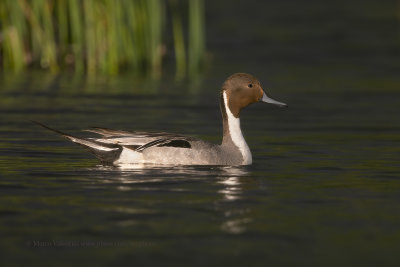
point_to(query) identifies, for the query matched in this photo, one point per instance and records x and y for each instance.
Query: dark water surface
(324, 188)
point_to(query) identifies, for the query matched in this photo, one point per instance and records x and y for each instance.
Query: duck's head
(242, 89)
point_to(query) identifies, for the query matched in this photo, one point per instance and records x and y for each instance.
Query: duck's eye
(250, 85)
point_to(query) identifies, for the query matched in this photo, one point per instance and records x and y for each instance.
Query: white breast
(236, 134)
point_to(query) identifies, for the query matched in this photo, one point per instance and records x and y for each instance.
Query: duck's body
(200, 153)
(122, 147)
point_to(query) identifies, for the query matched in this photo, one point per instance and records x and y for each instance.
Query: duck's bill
(269, 100)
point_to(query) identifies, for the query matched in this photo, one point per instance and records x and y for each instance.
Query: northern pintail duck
(122, 147)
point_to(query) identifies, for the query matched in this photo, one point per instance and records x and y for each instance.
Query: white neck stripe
(236, 133)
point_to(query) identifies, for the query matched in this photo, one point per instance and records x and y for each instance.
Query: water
(324, 187)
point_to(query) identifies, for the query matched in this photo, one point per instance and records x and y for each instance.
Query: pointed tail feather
(107, 153)
(108, 132)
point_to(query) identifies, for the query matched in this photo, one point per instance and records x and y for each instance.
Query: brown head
(243, 89)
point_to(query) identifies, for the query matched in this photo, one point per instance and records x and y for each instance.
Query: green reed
(101, 36)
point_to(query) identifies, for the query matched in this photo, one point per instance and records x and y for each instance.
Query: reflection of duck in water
(236, 217)
(122, 147)
(231, 182)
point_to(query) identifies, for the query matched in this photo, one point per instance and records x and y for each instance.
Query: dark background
(314, 45)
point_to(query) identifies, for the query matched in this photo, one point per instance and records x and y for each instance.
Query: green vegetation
(101, 36)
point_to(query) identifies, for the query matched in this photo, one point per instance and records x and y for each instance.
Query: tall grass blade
(196, 35)
(179, 42)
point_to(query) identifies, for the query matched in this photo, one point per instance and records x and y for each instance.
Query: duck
(121, 148)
